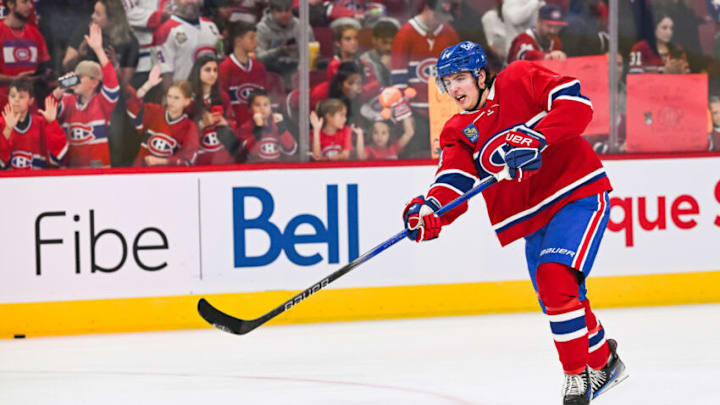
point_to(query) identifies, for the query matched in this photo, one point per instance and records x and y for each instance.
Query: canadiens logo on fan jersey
(239, 94)
(161, 145)
(426, 69)
(210, 142)
(21, 160)
(81, 134)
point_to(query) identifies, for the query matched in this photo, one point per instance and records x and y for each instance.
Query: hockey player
(523, 127)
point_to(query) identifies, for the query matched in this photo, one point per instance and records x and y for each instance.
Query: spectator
(332, 138)
(586, 33)
(84, 114)
(346, 86)
(381, 148)
(665, 56)
(266, 137)
(120, 44)
(211, 111)
(24, 50)
(32, 20)
(415, 50)
(378, 58)
(318, 17)
(30, 140)
(182, 39)
(519, 16)
(144, 17)
(170, 138)
(715, 132)
(541, 41)
(277, 34)
(240, 73)
(686, 31)
(347, 45)
(496, 32)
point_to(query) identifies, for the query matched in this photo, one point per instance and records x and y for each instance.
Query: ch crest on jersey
(161, 145)
(239, 94)
(471, 133)
(210, 142)
(426, 69)
(269, 149)
(21, 160)
(81, 134)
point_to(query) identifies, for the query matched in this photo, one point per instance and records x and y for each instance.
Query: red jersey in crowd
(174, 139)
(274, 144)
(388, 153)
(22, 51)
(644, 60)
(471, 140)
(86, 124)
(33, 144)
(331, 145)
(526, 46)
(414, 55)
(238, 80)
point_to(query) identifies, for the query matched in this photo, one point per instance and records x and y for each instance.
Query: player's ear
(481, 79)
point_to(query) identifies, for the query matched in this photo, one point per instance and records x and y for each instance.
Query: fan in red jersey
(523, 127)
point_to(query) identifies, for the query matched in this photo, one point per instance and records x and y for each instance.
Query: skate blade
(620, 378)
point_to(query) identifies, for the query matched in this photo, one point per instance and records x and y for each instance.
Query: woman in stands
(664, 56)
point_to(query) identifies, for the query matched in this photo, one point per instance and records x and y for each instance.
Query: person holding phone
(211, 111)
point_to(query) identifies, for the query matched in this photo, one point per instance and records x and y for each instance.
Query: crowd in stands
(108, 83)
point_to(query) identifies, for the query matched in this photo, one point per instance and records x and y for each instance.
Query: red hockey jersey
(238, 80)
(644, 60)
(331, 145)
(87, 124)
(388, 153)
(414, 55)
(22, 51)
(525, 46)
(523, 94)
(33, 144)
(174, 139)
(272, 146)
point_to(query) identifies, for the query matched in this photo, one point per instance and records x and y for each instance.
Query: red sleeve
(5, 146)
(110, 90)
(333, 67)
(247, 139)
(56, 142)
(229, 112)
(456, 170)
(134, 107)
(400, 59)
(189, 149)
(347, 138)
(568, 110)
(524, 48)
(155, 19)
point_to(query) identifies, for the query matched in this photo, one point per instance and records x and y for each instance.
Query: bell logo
(286, 240)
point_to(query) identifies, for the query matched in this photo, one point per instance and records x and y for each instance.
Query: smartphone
(68, 81)
(216, 109)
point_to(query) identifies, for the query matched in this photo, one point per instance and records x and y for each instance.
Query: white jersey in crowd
(178, 43)
(144, 17)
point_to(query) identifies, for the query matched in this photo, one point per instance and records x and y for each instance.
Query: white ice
(671, 353)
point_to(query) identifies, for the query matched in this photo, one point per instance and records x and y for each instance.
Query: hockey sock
(558, 290)
(598, 350)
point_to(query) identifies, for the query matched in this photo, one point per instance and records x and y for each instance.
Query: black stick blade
(224, 321)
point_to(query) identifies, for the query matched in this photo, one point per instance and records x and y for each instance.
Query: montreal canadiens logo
(210, 142)
(81, 134)
(22, 54)
(240, 94)
(269, 149)
(426, 69)
(161, 145)
(21, 160)
(491, 157)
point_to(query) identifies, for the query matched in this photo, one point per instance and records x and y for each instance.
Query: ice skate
(577, 389)
(609, 376)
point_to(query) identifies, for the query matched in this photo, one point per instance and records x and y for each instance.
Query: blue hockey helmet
(467, 56)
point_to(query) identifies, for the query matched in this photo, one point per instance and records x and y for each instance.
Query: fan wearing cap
(540, 41)
(85, 113)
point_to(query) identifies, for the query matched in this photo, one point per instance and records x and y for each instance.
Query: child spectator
(381, 148)
(211, 111)
(332, 138)
(378, 58)
(266, 137)
(24, 51)
(347, 45)
(540, 41)
(30, 141)
(85, 114)
(240, 73)
(170, 138)
(346, 86)
(715, 131)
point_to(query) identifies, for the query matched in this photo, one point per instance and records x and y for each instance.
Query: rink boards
(130, 252)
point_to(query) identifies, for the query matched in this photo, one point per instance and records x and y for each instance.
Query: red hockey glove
(522, 154)
(420, 219)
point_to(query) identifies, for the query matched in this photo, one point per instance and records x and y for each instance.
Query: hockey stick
(239, 326)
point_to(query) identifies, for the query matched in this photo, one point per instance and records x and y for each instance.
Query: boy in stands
(30, 141)
(266, 137)
(523, 127)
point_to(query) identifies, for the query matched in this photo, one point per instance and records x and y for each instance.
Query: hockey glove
(522, 152)
(420, 219)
